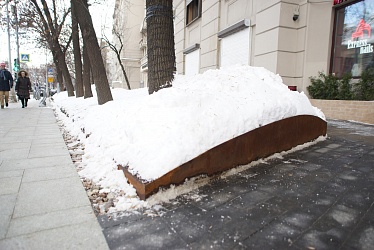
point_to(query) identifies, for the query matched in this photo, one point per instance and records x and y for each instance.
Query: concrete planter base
(360, 111)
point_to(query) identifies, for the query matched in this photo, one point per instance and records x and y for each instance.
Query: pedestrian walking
(23, 87)
(6, 83)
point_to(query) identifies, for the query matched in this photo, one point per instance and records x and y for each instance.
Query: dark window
(353, 38)
(193, 10)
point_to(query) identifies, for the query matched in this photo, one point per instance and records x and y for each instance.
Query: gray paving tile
(22, 129)
(11, 173)
(41, 136)
(50, 161)
(82, 236)
(15, 145)
(10, 185)
(7, 203)
(323, 150)
(48, 141)
(50, 196)
(49, 173)
(23, 133)
(47, 121)
(46, 221)
(46, 150)
(14, 153)
(48, 130)
(343, 215)
(333, 145)
(7, 140)
(366, 240)
(132, 236)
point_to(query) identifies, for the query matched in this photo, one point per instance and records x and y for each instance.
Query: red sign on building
(360, 38)
(339, 1)
(361, 27)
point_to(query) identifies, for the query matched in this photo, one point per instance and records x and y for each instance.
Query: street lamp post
(8, 28)
(48, 73)
(17, 36)
(12, 92)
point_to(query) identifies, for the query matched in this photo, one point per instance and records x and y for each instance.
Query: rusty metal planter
(259, 143)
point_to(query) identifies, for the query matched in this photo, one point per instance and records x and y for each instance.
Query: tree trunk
(60, 78)
(65, 71)
(86, 74)
(60, 61)
(96, 60)
(160, 41)
(79, 92)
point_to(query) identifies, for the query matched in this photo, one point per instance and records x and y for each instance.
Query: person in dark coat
(23, 87)
(6, 83)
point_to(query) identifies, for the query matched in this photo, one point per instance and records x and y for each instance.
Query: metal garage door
(192, 63)
(235, 48)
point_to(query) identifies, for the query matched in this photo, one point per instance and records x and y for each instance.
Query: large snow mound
(153, 134)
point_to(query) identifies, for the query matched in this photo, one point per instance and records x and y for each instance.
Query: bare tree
(160, 41)
(79, 92)
(50, 23)
(86, 74)
(96, 60)
(118, 54)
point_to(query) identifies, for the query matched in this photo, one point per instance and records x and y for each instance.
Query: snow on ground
(153, 134)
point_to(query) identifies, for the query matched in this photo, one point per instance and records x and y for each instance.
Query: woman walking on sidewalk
(23, 87)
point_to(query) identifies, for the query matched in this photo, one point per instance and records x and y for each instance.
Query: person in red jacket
(6, 83)
(23, 87)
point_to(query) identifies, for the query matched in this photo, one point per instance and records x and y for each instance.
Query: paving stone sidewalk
(318, 198)
(43, 204)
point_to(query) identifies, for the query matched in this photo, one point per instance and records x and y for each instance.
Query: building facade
(296, 39)
(293, 38)
(127, 19)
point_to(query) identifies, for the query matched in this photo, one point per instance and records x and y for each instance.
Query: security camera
(296, 13)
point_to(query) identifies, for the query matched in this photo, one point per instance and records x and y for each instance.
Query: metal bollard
(42, 102)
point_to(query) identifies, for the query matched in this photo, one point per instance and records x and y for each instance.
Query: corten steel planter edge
(258, 143)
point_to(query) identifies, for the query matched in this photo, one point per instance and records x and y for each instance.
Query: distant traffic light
(16, 65)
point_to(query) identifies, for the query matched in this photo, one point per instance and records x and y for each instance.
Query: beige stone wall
(179, 34)
(209, 29)
(318, 39)
(360, 111)
(296, 50)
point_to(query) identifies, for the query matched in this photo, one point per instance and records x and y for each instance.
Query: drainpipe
(219, 28)
(305, 79)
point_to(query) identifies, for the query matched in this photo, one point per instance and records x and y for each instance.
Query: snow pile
(153, 134)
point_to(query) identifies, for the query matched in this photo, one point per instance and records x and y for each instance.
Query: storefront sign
(339, 1)
(362, 31)
(353, 42)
